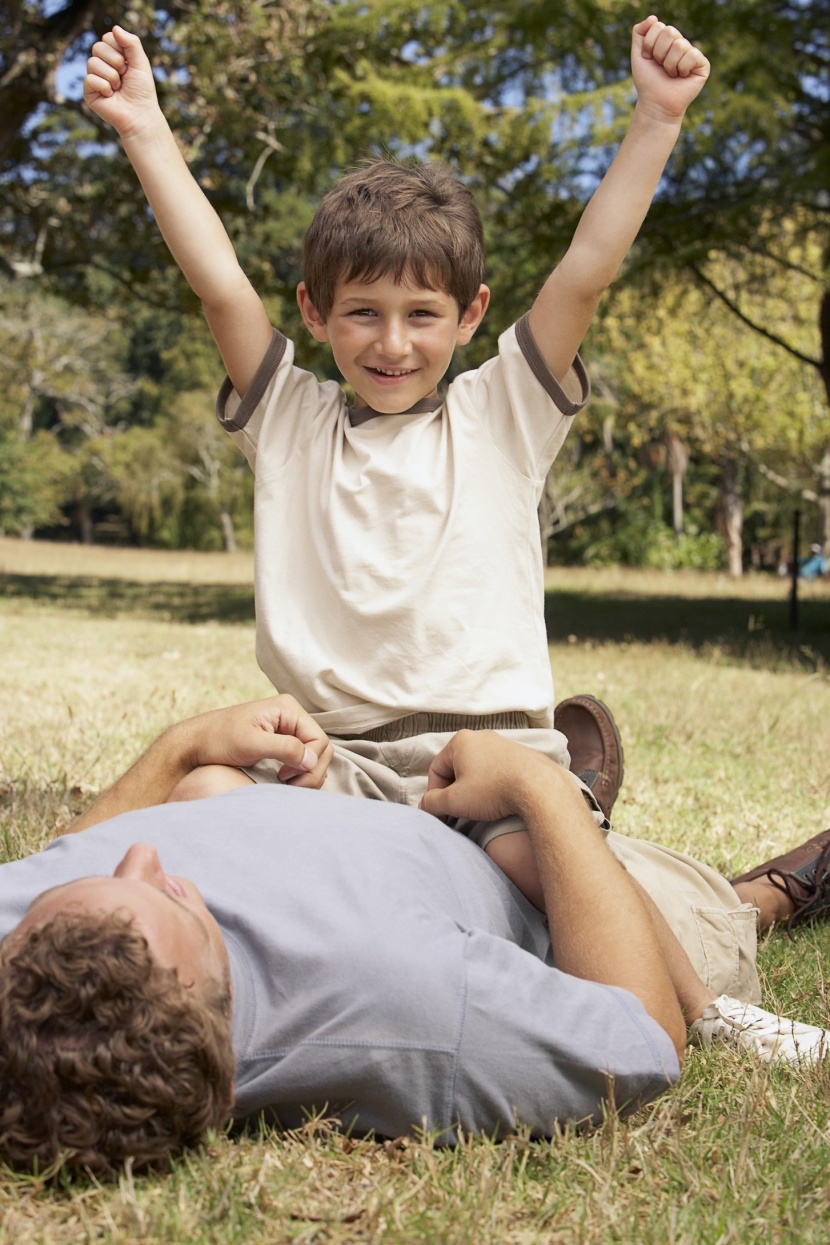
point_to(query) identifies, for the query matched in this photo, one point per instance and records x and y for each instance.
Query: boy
(398, 562)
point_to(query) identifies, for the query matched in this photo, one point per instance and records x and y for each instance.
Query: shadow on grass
(748, 630)
(177, 602)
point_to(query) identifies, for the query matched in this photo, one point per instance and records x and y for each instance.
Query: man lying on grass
(350, 956)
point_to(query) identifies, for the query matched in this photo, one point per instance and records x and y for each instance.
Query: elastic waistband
(430, 723)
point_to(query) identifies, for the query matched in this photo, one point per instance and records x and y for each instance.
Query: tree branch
(775, 478)
(757, 328)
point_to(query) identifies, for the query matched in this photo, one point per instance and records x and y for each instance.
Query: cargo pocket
(728, 943)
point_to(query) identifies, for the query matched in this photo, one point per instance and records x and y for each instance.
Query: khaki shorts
(391, 763)
(717, 931)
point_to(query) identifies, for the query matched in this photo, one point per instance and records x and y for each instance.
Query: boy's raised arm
(119, 87)
(669, 72)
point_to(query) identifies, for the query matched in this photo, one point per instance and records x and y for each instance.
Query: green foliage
(271, 102)
(32, 479)
(638, 539)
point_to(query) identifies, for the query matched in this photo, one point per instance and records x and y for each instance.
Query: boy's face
(392, 343)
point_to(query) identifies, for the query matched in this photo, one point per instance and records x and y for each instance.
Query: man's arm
(276, 728)
(119, 87)
(599, 927)
(669, 72)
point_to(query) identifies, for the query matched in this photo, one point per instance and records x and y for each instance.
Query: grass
(727, 755)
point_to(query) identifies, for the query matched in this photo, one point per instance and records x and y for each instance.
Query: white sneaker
(769, 1037)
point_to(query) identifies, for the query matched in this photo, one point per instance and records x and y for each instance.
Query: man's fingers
(290, 751)
(439, 776)
(442, 771)
(440, 801)
(311, 775)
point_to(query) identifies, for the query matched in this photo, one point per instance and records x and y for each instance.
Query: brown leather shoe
(803, 874)
(594, 745)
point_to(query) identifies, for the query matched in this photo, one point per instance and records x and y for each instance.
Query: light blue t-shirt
(383, 968)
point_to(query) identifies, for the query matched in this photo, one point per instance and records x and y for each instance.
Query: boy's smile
(392, 342)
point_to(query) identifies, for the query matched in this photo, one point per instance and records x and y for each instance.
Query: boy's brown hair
(412, 222)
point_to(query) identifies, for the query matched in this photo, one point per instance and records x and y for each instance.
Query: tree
(270, 102)
(32, 482)
(35, 38)
(692, 370)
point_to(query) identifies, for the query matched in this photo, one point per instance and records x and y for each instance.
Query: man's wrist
(183, 743)
(538, 786)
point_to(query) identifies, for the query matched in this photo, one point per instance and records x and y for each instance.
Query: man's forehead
(101, 891)
(46, 900)
(53, 891)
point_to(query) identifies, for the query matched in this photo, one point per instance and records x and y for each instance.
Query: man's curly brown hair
(104, 1056)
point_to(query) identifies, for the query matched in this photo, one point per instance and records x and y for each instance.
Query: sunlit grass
(725, 756)
(43, 557)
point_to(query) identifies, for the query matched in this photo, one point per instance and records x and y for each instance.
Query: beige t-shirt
(398, 559)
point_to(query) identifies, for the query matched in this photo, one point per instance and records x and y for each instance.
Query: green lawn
(725, 717)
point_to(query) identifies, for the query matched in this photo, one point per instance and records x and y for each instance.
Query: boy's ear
(312, 319)
(473, 316)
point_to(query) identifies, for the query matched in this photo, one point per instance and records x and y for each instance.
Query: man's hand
(669, 71)
(119, 84)
(483, 776)
(277, 728)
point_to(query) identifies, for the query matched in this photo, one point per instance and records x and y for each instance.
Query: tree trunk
(83, 521)
(227, 531)
(823, 491)
(677, 462)
(731, 516)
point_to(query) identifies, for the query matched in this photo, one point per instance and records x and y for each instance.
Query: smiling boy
(399, 573)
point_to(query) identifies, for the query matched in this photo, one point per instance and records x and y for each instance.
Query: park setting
(727, 756)
(685, 525)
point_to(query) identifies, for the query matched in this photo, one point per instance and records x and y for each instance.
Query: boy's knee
(208, 780)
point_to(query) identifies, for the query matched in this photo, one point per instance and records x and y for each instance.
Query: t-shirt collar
(362, 414)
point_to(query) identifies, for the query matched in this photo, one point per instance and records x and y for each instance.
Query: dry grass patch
(614, 581)
(43, 557)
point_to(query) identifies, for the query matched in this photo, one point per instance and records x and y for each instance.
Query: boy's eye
(362, 311)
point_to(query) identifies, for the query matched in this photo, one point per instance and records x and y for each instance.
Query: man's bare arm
(599, 927)
(276, 728)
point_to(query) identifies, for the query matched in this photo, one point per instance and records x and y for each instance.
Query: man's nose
(141, 863)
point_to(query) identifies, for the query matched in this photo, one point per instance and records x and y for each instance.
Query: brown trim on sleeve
(540, 369)
(255, 391)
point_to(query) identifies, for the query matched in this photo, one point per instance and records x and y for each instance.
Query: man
(352, 956)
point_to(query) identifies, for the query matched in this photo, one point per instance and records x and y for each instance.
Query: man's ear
(473, 316)
(312, 319)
